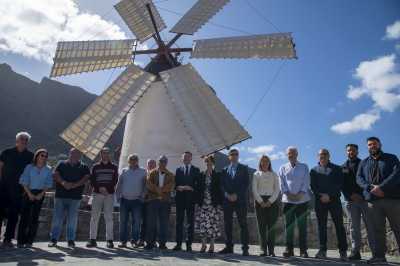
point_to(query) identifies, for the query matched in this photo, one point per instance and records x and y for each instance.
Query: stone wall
(84, 221)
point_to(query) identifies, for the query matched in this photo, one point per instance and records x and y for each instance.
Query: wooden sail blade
(86, 56)
(92, 129)
(209, 123)
(266, 46)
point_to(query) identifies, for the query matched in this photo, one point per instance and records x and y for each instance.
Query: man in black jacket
(186, 186)
(326, 184)
(357, 206)
(234, 185)
(379, 176)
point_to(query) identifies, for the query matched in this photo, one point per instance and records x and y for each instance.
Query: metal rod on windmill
(184, 111)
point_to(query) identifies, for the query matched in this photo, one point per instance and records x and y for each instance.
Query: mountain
(43, 109)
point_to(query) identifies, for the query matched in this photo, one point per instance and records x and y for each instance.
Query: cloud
(393, 31)
(380, 81)
(270, 150)
(264, 149)
(32, 28)
(360, 122)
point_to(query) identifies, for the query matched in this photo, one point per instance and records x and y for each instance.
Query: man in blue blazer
(234, 185)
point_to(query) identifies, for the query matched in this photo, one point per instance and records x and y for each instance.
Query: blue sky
(344, 87)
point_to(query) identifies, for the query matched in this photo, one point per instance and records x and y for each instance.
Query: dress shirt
(295, 179)
(161, 178)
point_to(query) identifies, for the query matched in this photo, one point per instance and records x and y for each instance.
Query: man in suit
(186, 186)
(160, 183)
(234, 185)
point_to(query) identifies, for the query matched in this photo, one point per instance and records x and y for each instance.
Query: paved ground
(40, 254)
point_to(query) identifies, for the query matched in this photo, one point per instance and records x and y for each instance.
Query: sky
(343, 88)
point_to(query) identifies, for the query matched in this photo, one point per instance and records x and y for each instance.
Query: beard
(374, 152)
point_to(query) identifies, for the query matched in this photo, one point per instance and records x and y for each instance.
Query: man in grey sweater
(130, 192)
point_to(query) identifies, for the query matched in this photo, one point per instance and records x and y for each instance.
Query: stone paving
(40, 254)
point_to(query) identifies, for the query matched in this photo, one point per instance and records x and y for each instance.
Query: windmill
(168, 107)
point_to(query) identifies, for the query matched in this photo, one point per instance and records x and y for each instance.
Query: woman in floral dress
(209, 212)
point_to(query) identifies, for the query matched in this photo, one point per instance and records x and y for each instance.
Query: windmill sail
(86, 56)
(198, 15)
(136, 16)
(277, 45)
(209, 123)
(92, 129)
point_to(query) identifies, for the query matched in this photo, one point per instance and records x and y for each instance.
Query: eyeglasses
(234, 154)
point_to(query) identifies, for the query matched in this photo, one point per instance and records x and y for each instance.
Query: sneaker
(110, 244)
(377, 260)
(71, 244)
(7, 244)
(149, 247)
(141, 243)
(122, 245)
(134, 244)
(163, 247)
(304, 254)
(321, 254)
(52, 243)
(177, 248)
(355, 255)
(226, 250)
(288, 253)
(343, 255)
(91, 243)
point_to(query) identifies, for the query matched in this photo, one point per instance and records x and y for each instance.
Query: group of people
(205, 199)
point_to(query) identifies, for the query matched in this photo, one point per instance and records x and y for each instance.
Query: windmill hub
(169, 108)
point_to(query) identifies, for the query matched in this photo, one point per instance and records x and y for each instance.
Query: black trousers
(143, 223)
(184, 209)
(240, 208)
(335, 209)
(296, 214)
(266, 220)
(10, 210)
(29, 222)
(157, 221)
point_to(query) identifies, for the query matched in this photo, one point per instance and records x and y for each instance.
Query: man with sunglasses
(12, 163)
(327, 183)
(234, 184)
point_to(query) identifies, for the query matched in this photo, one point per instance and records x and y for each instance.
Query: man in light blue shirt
(295, 183)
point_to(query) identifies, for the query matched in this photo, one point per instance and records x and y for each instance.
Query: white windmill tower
(169, 107)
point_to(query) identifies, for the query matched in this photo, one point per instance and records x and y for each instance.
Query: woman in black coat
(209, 212)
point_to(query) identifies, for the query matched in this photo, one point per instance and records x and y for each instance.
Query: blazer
(215, 189)
(154, 191)
(191, 180)
(238, 185)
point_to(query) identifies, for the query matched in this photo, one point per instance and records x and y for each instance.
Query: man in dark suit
(234, 185)
(186, 186)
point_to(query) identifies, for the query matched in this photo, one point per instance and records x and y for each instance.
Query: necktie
(186, 170)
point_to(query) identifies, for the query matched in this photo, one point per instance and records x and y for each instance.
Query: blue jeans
(157, 214)
(127, 209)
(70, 206)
